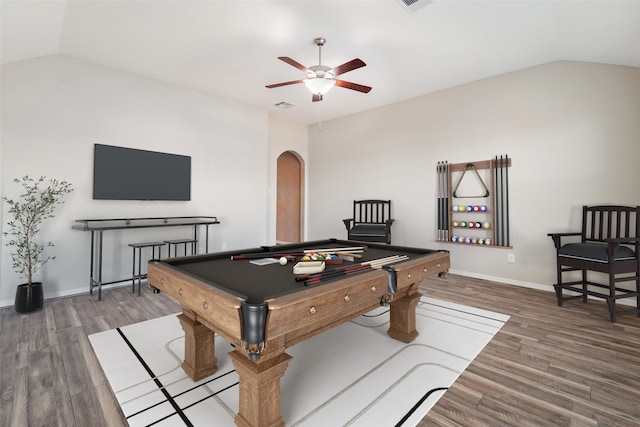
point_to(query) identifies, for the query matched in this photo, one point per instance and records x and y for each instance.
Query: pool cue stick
(351, 269)
(499, 207)
(438, 199)
(258, 255)
(439, 170)
(332, 250)
(319, 277)
(446, 202)
(325, 275)
(445, 212)
(385, 261)
(506, 193)
(501, 201)
(496, 208)
(376, 263)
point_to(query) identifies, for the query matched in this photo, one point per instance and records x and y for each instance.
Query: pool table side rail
(300, 316)
(212, 305)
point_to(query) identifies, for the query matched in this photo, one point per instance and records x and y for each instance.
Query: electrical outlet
(511, 258)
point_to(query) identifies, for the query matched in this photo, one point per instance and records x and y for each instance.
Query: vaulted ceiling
(230, 48)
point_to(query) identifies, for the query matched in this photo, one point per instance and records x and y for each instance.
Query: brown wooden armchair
(371, 221)
(610, 244)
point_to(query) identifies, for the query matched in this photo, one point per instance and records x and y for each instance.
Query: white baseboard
(548, 288)
(67, 293)
(538, 286)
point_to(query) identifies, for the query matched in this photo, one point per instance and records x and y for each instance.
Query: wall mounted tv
(121, 173)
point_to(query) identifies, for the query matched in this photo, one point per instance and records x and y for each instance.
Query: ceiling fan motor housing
(320, 71)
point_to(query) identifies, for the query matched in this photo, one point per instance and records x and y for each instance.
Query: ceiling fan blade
(353, 86)
(316, 97)
(292, 82)
(295, 63)
(354, 64)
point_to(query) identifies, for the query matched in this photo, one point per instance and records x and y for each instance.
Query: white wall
(55, 108)
(572, 130)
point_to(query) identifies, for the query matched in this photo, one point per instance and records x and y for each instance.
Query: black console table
(98, 226)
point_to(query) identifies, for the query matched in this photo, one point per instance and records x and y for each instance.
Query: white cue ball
(283, 261)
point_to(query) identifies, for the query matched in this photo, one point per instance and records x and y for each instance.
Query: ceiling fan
(320, 78)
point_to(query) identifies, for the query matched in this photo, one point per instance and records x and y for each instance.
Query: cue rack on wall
(473, 202)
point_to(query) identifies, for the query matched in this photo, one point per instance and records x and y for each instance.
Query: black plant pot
(29, 298)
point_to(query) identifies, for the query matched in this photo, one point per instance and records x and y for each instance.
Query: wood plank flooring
(548, 366)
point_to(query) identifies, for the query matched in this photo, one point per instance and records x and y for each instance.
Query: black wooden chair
(610, 244)
(371, 221)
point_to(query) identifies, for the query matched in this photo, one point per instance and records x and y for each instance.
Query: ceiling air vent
(412, 6)
(283, 105)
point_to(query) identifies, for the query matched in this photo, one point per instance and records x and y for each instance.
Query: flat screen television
(121, 173)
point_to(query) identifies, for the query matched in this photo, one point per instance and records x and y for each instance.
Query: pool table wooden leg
(199, 350)
(402, 315)
(259, 389)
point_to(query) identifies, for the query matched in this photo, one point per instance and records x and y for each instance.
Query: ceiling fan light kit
(319, 85)
(321, 78)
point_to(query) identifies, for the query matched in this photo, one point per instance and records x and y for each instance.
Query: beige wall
(55, 108)
(572, 130)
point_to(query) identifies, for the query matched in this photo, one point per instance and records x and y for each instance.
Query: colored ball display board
(472, 224)
(471, 240)
(470, 208)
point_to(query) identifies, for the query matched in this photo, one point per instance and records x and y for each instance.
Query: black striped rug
(351, 375)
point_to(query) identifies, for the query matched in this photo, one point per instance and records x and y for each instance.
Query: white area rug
(351, 375)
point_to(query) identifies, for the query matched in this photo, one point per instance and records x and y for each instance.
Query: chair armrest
(388, 223)
(558, 236)
(347, 223)
(624, 240)
(552, 235)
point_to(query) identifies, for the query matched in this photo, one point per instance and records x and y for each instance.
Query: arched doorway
(289, 204)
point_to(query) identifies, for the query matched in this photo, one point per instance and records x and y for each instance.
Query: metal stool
(139, 246)
(184, 242)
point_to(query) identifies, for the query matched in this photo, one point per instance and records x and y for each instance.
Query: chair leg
(612, 294)
(558, 285)
(638, 291)
(584, 285)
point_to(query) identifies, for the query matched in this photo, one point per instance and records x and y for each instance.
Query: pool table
(262, 309)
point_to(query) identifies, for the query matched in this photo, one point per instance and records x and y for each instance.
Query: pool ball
(283, 260)
(456, 224)
(483, 208)
(468, 240)
(470, 208)
(487, 224)
(487, 241)
(454, 239)
(478, 224)
(462, 208)
(476, 208)
(471, 224)
(463, 224)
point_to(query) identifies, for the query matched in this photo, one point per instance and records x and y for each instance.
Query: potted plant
(27, 212)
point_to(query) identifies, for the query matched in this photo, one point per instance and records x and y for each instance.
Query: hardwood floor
(549, 365)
